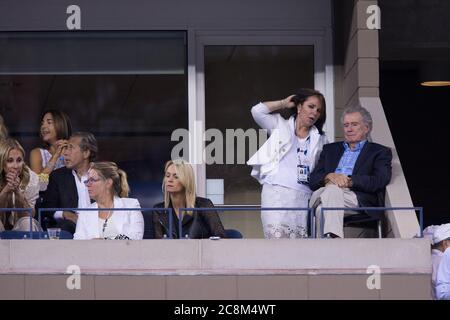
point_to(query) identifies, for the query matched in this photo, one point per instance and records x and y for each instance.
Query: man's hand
(70, 216)
(341, 180)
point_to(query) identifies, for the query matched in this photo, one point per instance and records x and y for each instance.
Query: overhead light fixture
(435, 73)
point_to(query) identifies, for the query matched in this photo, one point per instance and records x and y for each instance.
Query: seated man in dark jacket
(66, 188)
(349, 174)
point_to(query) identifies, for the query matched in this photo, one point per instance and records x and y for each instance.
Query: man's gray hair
(88, 142)
(366, 117)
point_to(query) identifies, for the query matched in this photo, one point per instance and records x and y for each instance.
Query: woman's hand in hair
(285, 103)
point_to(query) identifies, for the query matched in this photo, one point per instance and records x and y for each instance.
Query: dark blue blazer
(371, 174)
(61, 191)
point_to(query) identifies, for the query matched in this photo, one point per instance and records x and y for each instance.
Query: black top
(61, 191)
(198, 225)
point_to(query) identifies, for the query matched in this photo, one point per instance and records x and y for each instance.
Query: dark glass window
(128, 88)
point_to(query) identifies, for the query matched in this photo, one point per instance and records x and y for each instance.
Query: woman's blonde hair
(185, 174)
(6, 145)
(110, 170)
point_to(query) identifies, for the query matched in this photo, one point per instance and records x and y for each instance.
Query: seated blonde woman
(19, 188)
(108, 186)
(179, 192)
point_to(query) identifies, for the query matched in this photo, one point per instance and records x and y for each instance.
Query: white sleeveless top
(46, 156)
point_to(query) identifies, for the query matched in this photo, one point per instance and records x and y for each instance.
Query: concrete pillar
(360, 83)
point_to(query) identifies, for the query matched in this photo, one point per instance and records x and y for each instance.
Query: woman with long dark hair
(55, 130)
(283, 164)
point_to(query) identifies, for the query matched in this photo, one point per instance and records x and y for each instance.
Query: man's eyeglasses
(90, 181)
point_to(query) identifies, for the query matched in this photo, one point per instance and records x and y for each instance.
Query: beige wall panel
(359, 18)
(134, 255)
(406, 287)
(350, 85)
(4, 255)
(368, 92)
(353, 100)
(272, 287)
(305, 254)
(130, 287)
(361, 13)
(368, 44)
(352, 54)
(53, 287)
(201, 287)
(12, 287)
(368, 72)
(345, 287)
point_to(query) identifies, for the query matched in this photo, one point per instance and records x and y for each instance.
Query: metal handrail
(222, 208)
(239, 205)
(243, 208)
(168, 210)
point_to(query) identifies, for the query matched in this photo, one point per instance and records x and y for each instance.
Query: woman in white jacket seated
(283, 164)
(108, 186)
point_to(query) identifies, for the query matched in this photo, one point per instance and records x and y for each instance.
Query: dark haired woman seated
(179, 192)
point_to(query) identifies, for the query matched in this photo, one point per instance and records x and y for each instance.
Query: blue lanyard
(305, 151)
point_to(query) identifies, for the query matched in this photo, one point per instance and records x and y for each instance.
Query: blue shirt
(348, 159)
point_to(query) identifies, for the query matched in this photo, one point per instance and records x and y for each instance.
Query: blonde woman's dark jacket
(199, 225)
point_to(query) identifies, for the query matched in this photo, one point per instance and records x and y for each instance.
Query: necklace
(106, 221)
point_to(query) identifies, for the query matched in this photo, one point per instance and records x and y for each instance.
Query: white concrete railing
(217, 257)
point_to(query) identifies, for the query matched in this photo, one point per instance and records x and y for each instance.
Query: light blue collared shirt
(348, 159)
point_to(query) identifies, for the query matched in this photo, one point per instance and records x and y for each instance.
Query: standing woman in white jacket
(108, 186)
(283, 164)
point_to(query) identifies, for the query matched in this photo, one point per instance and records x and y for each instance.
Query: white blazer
(266, 160)
(129, 223)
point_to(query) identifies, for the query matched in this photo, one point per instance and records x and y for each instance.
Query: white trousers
(284, 223)
(333, 220)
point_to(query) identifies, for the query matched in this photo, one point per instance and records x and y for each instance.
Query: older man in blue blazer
(349, 174)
